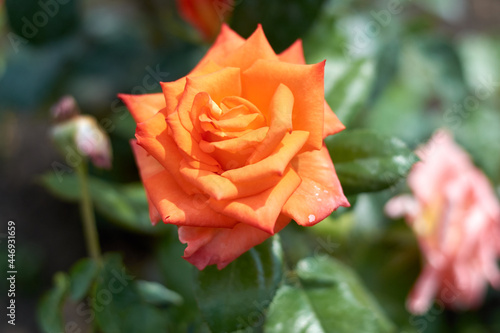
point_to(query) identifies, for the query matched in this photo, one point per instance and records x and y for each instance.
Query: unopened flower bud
(92, 141)
(65, 109)
(80, 133)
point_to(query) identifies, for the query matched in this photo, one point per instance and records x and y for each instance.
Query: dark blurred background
(417, 65)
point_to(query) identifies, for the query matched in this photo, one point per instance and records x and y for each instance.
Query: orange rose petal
(154, 214)
(204, 121)
(306, 83)
(172, 203)
(219, 84)
(238, 144)
(233, 153)
(185, 142)
(232, 104)
(261, 210)
(275, 163)
(209, 67)
(255, 47)
(280, 114)
(202, 104)
(225, 82)
(209, 246)
(332, 124)
(254, 120)
(143, 107)
(149, 167)
(239, 123)
(293, 54)
(221, 188)
(235, 111)
(218, 135)
(320, 192)
(231, 109)
(208, 118)
(226, 43)
(172, 91)
(152, 136)
(176, 207)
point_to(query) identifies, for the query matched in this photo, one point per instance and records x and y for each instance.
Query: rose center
(230, 130)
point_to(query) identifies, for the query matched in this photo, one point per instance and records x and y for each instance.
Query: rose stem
(87, 214)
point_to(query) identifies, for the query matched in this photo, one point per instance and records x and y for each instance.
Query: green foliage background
(394, 74)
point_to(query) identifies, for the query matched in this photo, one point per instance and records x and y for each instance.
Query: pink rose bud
(92, 141)
(80, 133)
(455, 215)
(65, 109)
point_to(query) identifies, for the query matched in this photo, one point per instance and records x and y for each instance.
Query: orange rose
(233, 151)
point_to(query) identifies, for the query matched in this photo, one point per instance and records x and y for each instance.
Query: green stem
(87, 214)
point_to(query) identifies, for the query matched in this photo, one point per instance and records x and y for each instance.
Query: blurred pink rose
(456, 218)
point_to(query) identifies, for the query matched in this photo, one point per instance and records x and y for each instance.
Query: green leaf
(237, 296)
(177, 272)
(178, 275)
(49, 312)
(479, 54)
(328, 297)
(64, 187)
(157, 294)
(348, 77)
(144, 319)
(82, 274)
(398, 112)
(386, 255)
(347, 86)
(483, 148)
(366, 161)
(386, 67)
(34, 22)
(125, 205)
(284, 21)
(118, 305)
(332, 36)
